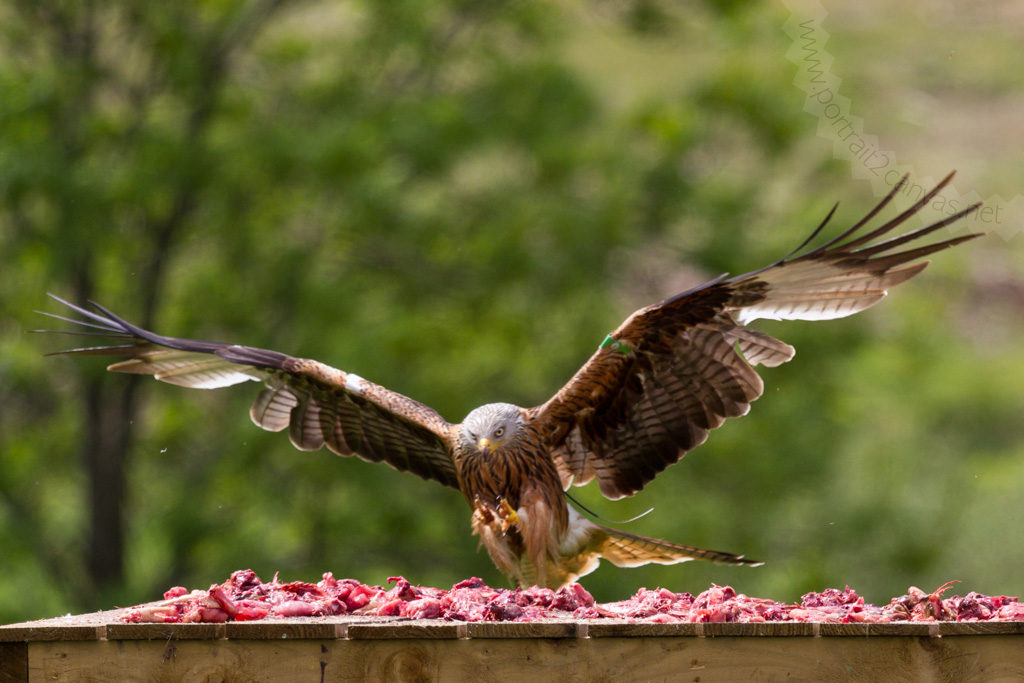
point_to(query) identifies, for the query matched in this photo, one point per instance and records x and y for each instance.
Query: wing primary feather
(838, 238)
(107, 324)
(863, 221)
(886, 227)
(154, 338)
(817, 230)
(248, 355)
(244, 355)
(107, 328)
(79, 333)
(119, 350)
(885, 262)
(921, 232)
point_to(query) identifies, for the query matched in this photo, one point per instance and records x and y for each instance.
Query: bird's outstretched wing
(677, 369)
(318, 404)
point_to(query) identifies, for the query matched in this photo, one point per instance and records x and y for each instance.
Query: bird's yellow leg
(509, 517)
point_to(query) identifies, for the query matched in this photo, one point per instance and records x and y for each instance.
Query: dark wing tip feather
(105, 323)
(110, 323)
(117, 350)
(837, 248)
(834, 243)
(90, 324)
(872, 213)
(837, 242)
(817, 231)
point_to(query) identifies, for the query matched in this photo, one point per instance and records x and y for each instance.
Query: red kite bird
(652, 391)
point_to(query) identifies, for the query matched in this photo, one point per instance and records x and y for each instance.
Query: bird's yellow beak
(485, 445)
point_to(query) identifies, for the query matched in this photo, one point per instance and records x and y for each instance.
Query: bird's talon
(509, 517)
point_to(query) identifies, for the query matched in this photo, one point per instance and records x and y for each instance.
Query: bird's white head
(492, 427)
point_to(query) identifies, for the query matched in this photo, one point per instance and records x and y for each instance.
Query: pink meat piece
(335, 606)
(207, 615)
(293, 608)
(1010, 612)
(359, 597)
(503, 610)
(223, 601)
(245, 580)
(403, 590)
(302, 588)
(713, 605)
(391, 608)
(662, 619)
(422, 608)
(251, 610)
(245, 597)
(571, 597)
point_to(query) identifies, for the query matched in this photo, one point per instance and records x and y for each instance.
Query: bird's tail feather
(630, 550)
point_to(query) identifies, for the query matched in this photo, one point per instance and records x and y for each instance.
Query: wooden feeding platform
(101, 647)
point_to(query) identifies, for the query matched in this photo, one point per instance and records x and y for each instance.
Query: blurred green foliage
(456, 200)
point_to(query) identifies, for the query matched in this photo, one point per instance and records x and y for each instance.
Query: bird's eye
(499, 432)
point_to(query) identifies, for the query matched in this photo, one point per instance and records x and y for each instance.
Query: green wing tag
(616, 345)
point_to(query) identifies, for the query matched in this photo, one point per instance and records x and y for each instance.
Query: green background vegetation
(458, 200)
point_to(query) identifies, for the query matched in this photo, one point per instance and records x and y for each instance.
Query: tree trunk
(109, 408)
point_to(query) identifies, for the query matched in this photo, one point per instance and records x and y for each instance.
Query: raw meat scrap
(244, 596)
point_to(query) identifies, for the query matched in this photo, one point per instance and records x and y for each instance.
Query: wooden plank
(526, 629)
(760, 629)
(77, 627)
(966, 658)
(921, 628)
(270, 630)
(632, 629)
(423, 629)
(165, 631)
(18, 633)
(13, 662)
(829, 630)
(980, 628)
(102, 625)
(627, 629)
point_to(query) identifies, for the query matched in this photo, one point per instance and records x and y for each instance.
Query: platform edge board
(264, 630)
(426, 629)
(105, 625)
(526, 629)
(980, 628)
(829, 630)
(760, 629)
(633, 629)
(22, 633)
(916, 628)
(165, 631)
